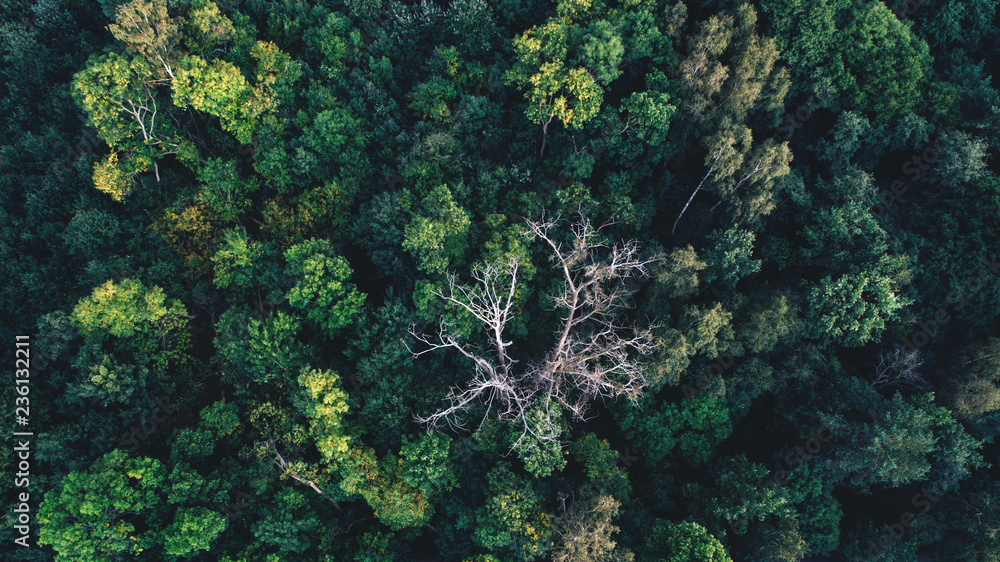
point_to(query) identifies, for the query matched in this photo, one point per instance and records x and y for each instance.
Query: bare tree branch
(270, 447)
(900, 368)
(593, 355)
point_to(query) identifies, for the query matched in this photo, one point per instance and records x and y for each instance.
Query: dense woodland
(504, 280)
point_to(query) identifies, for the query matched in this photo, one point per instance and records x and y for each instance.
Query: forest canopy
(501, 280)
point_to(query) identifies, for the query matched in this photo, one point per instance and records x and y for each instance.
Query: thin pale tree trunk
(684, 210)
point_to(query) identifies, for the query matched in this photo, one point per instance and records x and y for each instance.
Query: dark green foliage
(835, 46)
(322, 290)
(906, 440)
(512, 522)
(600, 463)
(229, 230)
(425, 464)
(729, 259)
(542, 453)
(263, 350)
(693, 427)
(681, 542)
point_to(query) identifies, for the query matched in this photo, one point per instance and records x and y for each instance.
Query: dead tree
(490, 300)
(593, 354)
(900, 368)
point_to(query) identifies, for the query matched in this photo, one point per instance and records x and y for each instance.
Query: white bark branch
(593, 354)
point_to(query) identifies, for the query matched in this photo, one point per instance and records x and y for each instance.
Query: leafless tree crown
(593, 353)
(900, 368)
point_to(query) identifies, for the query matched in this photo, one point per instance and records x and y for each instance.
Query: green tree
(266, 351)
(713, 93)
(876, 43)
(853, 309)
(676, 275)
(128, 311)
(207, 28)
(333, 146)
(771, 323)
(219, 89)
(242, 263)
(287, 524)
(643, 124)
(276, 73)
(426, 466)
(383, 485)
(908, 440)
(148, 30)
(715, 101)
(223, 191)
(377, 547)
(686, 541)
(382, 360)
(694, 427)
(93, 514)
(818, 512)
(119, 96)
(540, 446)
(780, 541)
(436, 233)
(560, 86)
(326, 405)
(834, 45)
(600, 463)
(338, 42)
(108, 378)
(707, 329)
(322, 290)
(193, 529)
(943, 24)
(93, 234)
(745, 494)
(512, 522)
(806, 33)
(729, 258)
(839, 238)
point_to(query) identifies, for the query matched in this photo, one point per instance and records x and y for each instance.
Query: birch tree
(148, 30)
